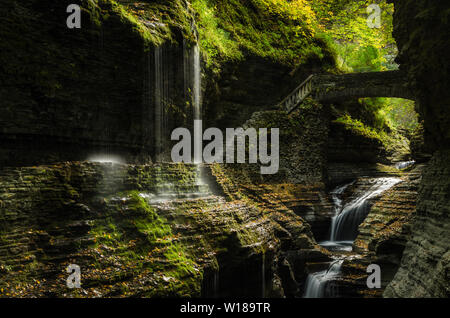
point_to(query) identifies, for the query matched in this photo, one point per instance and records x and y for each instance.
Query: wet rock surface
(425, 264)
(146, 231)
(424, 267)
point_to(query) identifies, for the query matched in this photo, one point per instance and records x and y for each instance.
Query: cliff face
(424, 269)
(252, 85)
(149, 230)
(420, 29)
(68, 93)
(122, 80)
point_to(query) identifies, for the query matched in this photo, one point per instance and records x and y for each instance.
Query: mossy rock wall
(420, 29)
(68, 93)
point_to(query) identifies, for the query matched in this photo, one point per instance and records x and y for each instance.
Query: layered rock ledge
(149, 231)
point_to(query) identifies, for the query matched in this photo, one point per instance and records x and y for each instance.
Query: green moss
(149, 34)
(388, 169)
(359, 128)
(142, 241)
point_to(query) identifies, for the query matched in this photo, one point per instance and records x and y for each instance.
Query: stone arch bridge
(332, 88)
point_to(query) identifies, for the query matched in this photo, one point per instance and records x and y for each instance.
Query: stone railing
(298, 95)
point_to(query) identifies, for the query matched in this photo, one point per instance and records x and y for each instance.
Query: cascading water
(192, 78)
(343, 231)
(404, 164)
(166, 191)
(337, 200)
(344, 227)
(197, 83)
(321, 283)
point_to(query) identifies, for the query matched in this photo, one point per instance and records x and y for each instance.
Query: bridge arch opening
(398, 113)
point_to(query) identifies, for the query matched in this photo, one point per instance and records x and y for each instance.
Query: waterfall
(193, 84)
(320, 284)
(216, 284)
(161, 98)
(197, 83)
(263, 274)
(165, 85)
(345, 225)
(404, 164)
(336, 196)
(192, 78)
(344, 229)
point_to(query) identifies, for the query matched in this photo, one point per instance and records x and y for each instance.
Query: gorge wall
(122, 80)
(69, 93)
(420, 31)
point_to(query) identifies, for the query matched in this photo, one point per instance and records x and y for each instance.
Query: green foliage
(278, 30)
(357, 58)
(156, 20)
(216, 42)
(401, 113)
(392, 113)
(359, 128)
(136, 25)
(393, 142)
(360, 47)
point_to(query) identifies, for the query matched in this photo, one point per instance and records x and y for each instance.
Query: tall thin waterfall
(197, 83)
(148, 96)
(161, 98)
(344, 229)
(263, 274)
(192, 84)
(192, 78)
(166, 69)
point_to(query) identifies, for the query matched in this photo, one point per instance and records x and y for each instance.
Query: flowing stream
(343, 231)
(404, 164)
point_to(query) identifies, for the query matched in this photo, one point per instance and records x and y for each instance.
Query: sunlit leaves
(360, 47)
